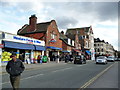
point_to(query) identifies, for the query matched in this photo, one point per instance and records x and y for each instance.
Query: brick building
(85, 39)
(67, 43)
(47, 31)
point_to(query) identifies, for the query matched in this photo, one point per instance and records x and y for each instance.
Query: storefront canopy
(50, 47)
(42, 48)
(15, 45)
(88, 52)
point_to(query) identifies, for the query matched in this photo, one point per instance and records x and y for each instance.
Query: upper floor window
(53, 35)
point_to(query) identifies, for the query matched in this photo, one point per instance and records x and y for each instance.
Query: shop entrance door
(50, 55)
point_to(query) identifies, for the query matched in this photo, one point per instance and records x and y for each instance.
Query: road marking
(24, 78)
(62, 69)
(32, 76)
(94, 78)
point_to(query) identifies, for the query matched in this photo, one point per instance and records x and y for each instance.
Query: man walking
(15, 67)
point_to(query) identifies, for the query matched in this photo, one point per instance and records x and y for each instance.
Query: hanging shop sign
(22, 39)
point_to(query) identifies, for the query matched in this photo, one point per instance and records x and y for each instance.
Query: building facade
(86, 39)
(103, 48)
(47, 31)
(29, 48)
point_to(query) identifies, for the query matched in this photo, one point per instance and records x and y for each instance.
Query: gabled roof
(64, 39)
(86, 29)
(40, 27)
(63, 36)
(71, 32)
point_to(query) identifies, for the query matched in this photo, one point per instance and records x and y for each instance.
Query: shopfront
(53, 52)
(28, 48)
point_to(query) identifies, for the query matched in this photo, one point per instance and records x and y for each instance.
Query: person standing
(14, 68)
(38, 58)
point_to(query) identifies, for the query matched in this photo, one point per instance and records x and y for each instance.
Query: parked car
(101, 59)
(80, 60)
(111, 58)
(117, 59)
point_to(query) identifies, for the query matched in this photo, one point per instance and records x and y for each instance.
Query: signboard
(52, 41)
(1, 46)
(22, 39)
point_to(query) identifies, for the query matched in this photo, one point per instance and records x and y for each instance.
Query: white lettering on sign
(26, 39)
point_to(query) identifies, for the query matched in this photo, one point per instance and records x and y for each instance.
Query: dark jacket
(15, 68)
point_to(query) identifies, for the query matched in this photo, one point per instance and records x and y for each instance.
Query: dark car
(79, 60)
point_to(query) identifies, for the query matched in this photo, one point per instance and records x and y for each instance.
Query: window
(53, 35)
(87, 36)
(98, 50)
(102, 50)
(86, 44)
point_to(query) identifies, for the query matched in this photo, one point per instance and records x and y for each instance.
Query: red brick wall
(47, 36)
(36, 35)
(53, 28)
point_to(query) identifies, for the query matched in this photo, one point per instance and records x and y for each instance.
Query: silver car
(101, 59)
(111, 58)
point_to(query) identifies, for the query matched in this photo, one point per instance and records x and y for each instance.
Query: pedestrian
(71, 57)
(38, 58)
(53, 57)
(15, 67)
(67, 58)
(21, 57)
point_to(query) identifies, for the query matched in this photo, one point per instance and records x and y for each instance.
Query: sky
(101, 15)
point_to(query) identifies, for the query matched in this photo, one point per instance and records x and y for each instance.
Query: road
(62, 76)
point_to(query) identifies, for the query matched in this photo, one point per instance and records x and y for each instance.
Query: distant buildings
(103, 48)
(85, 37)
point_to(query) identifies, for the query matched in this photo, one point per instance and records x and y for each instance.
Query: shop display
(6, 56)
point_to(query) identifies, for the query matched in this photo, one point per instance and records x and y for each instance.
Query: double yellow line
(94, 78)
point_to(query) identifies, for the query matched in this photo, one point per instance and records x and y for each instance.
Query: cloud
(65, 22)
(102, 16)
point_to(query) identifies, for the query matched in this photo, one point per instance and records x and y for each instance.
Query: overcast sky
(102, 16)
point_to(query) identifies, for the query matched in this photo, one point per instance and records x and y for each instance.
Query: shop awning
(51, 47)
(42, 48)
(88, 52)
(65, 51)
(16, 45)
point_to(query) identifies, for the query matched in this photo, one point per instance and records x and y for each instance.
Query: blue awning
(66, 51)
(42, 48)
(16, 45)
(88, 52)
(50, 47)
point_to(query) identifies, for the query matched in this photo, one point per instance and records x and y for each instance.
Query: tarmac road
(66, 76)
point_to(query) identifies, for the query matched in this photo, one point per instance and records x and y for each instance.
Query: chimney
(62, 32)
(32, 23)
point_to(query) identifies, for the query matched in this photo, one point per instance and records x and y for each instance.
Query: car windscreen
(100, 57)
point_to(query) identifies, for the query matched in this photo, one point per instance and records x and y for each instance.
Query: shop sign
(26, 40)
(22, 39)
(52, 41)
(1, 46)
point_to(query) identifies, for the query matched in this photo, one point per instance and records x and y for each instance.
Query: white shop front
(28, 47)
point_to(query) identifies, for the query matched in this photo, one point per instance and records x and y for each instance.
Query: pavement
(109, 79)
